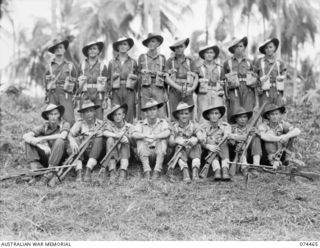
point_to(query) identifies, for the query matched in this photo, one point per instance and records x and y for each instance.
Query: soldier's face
(270, 49)
(89, 114)
(93, 51)
(209, 55)
(242, 120)
(54, 116)
(152, 113)
(60, 50)
(153, 44)
(274, 116)
(179, 50)
(119, 115)
(239, 49)
(214, 115)
(184, 115)
(123, 47)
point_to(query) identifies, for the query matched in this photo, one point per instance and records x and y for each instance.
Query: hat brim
(233, 118)
(275, 41)
(116, 44)
(179, 43)
(158, 105)
(222, 110)
(158, 37)
(53, 48)
(123, 106)
(176, 112)
(45, 113)
(282, 110)
(89, 107)
(233, 46)
(85, 49)
(215, 49)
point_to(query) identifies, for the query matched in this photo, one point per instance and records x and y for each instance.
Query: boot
(122, 176)
(33, 180)
(244, 171)
(113, 176)
(225, 174)
(156, 175)
(195, 174)
(186, 177)
(87, 176)
(147, 175)
(43, 181)
(102, 176)
(217, 175)
(79, 176)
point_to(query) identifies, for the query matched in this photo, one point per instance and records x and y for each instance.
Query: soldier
(183, 75)
(151, 135)
(122, 76)
(239, 120)
(79, 131)
(45, 145)
(271, 73)
(241, 80)
(277, 134)
(152, 73)
(189, 135)
(61, 80)
(113, 132)
(210, 87)
(215, 130)
(92, 82)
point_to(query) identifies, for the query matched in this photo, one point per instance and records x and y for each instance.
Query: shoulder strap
(172, 62)
(83, 66)
(146, 58)
(203, 69)
(278, 67)
(70, 69)
(230, 64)
(262, 67)
(219, 70)
(160, 58)
(101, 67)
(188, 63)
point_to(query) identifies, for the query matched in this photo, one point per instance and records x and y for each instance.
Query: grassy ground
(272, 208)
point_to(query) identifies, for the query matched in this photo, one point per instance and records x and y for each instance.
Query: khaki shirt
(182, 67)
(278, 69)
(94, 71)
(213, 135)
(81, 128)
(212, 73)
(129, 66)
(191, 130)
(144, 127)
(241, 67)
(111, 127)
(67, 69)
(282, 128)
(152, 63)
(46, 129)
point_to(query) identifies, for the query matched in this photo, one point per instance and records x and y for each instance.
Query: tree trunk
(54, 17)
(295, 74)
(146, 8)
(156, 16)
(278, 26)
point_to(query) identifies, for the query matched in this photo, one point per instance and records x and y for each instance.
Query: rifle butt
(204, 172)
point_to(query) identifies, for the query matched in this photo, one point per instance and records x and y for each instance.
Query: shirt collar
(152, 56)
(145, 122)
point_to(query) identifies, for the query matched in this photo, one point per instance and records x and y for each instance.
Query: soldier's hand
(252, 131)
(124, 140)
(276, 165)
(74, 147)
(283, 139)
(36, 140)
(241, 137)
(213, 148)
(180, 141)
(193, 141)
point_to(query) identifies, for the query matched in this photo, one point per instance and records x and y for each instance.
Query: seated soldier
(277, 134)
(215, 130)
(113, 132)
(188, 134)
(239, 129)
(79, 132)
(53, 133)
(151, 135)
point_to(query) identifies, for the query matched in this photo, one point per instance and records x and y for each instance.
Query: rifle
(174, 160)
(75, 156)
(245, 145)
(107, 157)
(209, 159)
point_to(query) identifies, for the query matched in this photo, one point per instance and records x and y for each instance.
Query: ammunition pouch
(131, 82)
(251, 80)
(159, 79)
(49, 82)
(101, 84)
(233, 80)
(145, 77)
(265, 83)
(83, 83)
(203, 86)
(280, 82)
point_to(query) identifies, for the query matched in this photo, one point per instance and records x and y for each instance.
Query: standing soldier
(151, 135)
(210, 87)
(61, 80)
(183, 75)
(152, 73)
(122, 77)
(93, 79)
(272, 74)
(240, 79)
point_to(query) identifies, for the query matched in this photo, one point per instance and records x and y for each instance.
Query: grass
(272, 208)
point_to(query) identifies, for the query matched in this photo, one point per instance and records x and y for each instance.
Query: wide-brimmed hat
(51, 107)
(152, 36)
(87, 105)
(240, 111)
(236, 41)
(150, 104)
(116, 44)
(204, 49)
(219, 106)
(272, 107)
(115, 108)
(275, 41)
(179, 43)
(56, 43)
(182, 106)
(85, 49)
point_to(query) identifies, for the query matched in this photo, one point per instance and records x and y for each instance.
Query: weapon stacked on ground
(245, 145)
(174, 160)
(209, 159)
(75, 156)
